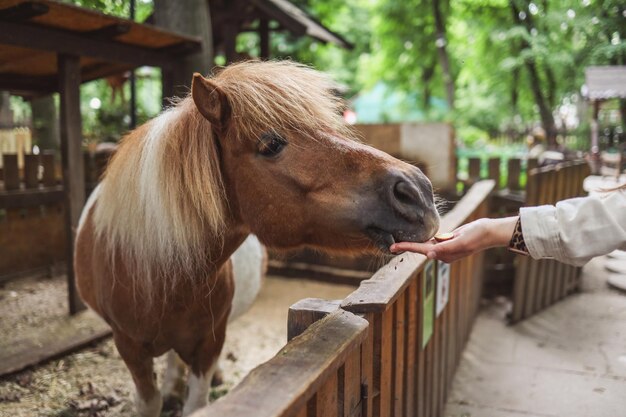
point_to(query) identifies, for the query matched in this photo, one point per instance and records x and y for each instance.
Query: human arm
(573, 231)
(470, 238)
(576, 230)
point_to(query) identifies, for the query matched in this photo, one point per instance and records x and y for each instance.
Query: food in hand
(442, 237)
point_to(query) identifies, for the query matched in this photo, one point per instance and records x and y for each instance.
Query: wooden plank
(350, 395)
(494, 170)
(72, 162)
(10, 172)
(514, 169)
(474, 169)
(367, 370)
(443, 361)
(435, 365)
(387, 361)
(283, 385)
(412, 349)
(18, 199)
(452, 314)
(306, 312)
(421, 358)
(31, 171)
(52, 343)
(50, 39)
(326, 398)
(399, 354)
(49, 175)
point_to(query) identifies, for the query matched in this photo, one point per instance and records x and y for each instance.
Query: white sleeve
(576, 230)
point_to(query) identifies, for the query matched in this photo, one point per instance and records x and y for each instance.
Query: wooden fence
(491, 168)
(541, 283)
(383, 351)
(32, 236)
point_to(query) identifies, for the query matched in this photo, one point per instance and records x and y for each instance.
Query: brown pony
(258, 148)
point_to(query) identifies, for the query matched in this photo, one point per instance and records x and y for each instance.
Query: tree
(189, 17)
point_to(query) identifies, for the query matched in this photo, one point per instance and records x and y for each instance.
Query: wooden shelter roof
(605, 83)
(288, 16)
(282, 9)
(35, 32)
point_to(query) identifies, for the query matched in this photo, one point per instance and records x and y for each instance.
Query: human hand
(470, 238)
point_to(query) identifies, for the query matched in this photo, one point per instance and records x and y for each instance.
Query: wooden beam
(264, 37)
(35, 197)
(230, 30)
(24, 11)
(109, 32)
(72, 162)
(275, 12)
(49, 39)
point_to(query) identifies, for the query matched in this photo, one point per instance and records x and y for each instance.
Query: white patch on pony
(173, 374)
(150, 408)
(88, 205)
(198, 387)
(248, 270)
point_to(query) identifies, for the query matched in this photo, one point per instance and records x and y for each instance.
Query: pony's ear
(210, 100)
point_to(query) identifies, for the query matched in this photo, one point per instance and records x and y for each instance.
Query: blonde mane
(162, 200)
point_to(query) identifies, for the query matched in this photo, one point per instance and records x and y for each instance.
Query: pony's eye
(271, 144)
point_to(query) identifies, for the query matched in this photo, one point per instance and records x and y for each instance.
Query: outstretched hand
(470, 238)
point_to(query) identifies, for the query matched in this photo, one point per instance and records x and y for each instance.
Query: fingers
(422, 248)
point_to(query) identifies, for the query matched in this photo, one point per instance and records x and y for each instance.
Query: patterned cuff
(517, 244)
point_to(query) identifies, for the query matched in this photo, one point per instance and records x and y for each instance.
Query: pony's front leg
(140, 365)
(203, 364)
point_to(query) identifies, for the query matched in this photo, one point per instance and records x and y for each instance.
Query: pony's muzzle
(412, 198)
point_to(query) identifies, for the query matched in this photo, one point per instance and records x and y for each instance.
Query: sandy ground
(568, 360)
(95, 382)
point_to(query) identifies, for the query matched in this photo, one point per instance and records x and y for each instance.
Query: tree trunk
(188, 17)
(444, 59)
(545, 112)
(45, 123)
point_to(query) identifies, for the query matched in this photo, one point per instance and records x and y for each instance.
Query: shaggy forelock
(283, 96)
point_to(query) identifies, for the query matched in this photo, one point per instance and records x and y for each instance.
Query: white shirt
(576, 230)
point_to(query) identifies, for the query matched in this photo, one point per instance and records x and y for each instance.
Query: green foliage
(490, 50)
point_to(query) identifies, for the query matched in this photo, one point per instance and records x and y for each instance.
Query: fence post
(31, 171)
(49, 175)
(306, 312)
(514, 170)
(11, 172)
(494, 170)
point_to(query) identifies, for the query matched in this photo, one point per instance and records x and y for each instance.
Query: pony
(258, 147)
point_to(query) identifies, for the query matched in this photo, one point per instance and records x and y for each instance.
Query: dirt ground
(94, 381)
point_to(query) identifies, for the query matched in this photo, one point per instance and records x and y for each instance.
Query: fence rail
(383, 351)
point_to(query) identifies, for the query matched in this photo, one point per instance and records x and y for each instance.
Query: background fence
(32, 234)
(541, 283)
(389, 349)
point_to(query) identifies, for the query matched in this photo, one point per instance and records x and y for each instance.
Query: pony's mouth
(383, 239)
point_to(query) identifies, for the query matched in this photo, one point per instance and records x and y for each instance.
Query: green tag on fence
(428, 302)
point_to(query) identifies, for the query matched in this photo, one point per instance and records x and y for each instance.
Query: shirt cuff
(541, 231)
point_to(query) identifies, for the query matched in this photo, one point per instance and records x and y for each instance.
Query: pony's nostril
(406, 193)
